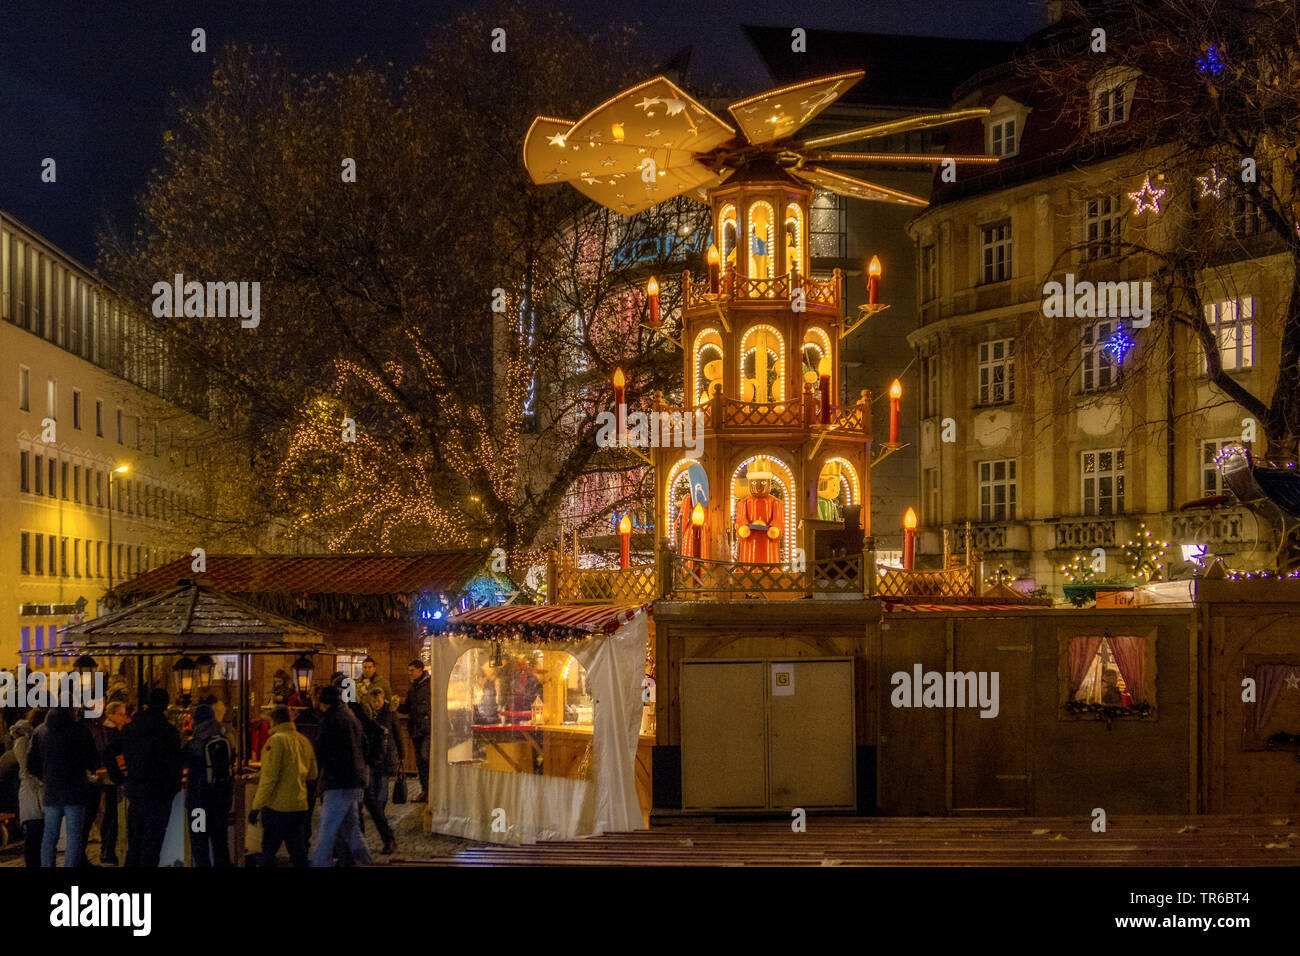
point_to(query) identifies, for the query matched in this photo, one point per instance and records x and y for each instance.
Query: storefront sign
(783, 680)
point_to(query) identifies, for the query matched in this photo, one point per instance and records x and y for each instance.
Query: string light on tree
(1148, 197)
(1000, 577)
(1144, 556)
(1079, 570)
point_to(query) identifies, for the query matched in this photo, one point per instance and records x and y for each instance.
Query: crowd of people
(59, 769)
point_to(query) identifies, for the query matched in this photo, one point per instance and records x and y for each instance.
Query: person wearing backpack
(209, 786)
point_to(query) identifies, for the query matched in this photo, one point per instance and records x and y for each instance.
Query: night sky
(92, 84)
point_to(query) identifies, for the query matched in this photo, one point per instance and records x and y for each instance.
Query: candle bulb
(873, 281)
(824, 388)
(714, 262)
(697, 531)
(652, 290)
(895, 405)
(620, 402)
(909, 538)
(625, 542)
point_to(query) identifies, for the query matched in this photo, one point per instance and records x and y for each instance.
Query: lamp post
(119, 470)
(909, 539)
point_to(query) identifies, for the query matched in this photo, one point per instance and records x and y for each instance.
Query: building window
(63, 557)
(51, 398)
(930, 499)
(53, 567)
(63, 480)
(39, 474)
(38, 565)
(828, 231)
(997, 372)
(99, 418)
(24, 557)
(76, 483)
(24, 466)
(1233, 324)
(1211, 480)
(998, 490)
(995, 248)
(1002, 137)
(88, 565)
(1245, 217)
(76, 408)
(119, 426)
(1098, 360)
(1103, 482)
(118, 563)
(929, 386)
(76, 557)
(929, 273)
(51, 489)
(99, 559)
(99, 488)
(1102, 217)
(24, 388)
(1110, 105)
(1110, 675)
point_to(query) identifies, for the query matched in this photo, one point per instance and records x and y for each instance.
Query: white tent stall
(536, 714)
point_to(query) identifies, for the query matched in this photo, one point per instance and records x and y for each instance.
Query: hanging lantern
(85, 667)
(185, 676)
(303, 672)
(204, 665)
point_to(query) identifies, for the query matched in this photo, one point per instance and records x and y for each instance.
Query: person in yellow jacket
(288, 762)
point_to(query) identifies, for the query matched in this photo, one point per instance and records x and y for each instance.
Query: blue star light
(1210, 63)
(1118, 344)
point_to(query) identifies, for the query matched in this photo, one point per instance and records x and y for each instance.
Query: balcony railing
(636, 585)
(1214, 527)
(957, 581)
(819, 294)
(696, 579)
(1075, 533)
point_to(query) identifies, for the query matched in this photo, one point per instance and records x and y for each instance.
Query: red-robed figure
(758, 520)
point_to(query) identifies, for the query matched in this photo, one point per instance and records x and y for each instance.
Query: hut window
(1109, 675)
(523, 710)
(1272, 721)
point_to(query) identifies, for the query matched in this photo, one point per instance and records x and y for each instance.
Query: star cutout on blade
(1292, 680)
(556, 140)
(589, 180)
(647, 102)
(674, 106)
(1148, 197)
(653, 133)
(1212, 183)
(553, 174)
(607, 162)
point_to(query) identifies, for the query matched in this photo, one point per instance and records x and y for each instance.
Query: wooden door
(724, 735)
(811, 743)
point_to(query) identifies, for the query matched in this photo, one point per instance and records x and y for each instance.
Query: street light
(119, 470)
(185, 678)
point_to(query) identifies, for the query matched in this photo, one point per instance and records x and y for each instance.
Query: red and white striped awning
(595, 619)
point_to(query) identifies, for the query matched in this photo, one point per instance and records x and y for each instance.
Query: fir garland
(1108, 712)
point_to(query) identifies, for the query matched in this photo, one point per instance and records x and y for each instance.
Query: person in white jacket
(31, 805)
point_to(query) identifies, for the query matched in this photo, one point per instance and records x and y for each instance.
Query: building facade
(105, 477)
(1051, 460)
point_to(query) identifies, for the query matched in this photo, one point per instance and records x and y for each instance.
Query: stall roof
(595, 619)
(189, 619)
(445, 571)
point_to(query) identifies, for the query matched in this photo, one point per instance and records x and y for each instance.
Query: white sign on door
(783, 680)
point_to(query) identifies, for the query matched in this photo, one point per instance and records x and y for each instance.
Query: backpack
(216, 760)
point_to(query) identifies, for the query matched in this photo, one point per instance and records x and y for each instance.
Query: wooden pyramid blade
(656, 114)
(852, 186)
(544, 148)
(778, 113)
(627, 194)
(889, 127)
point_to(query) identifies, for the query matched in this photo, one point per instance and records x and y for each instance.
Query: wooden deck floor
(950, 841)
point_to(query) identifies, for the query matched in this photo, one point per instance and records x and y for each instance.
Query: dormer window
(1111, 93)
(1004, 127)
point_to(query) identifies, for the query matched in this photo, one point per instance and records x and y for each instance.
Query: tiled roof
(599, 619)
(191, 618)
(355, 574)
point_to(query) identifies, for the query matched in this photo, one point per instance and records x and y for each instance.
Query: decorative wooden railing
(854, 417)
(761, 414)
(693, 578)
(957, 581)
(820, 293)
(634, 585)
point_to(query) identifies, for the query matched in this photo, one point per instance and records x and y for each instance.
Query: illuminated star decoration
(556, 140)
(1118, 344)
(1292, 681)
(1148, 197)
(1212, 183)
(1210, 63)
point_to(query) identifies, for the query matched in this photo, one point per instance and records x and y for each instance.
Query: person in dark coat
(308, 724)
(153, 778)
(418, 705)
(63, 756)
(341, 756)
(109, 743)
(209, 786)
